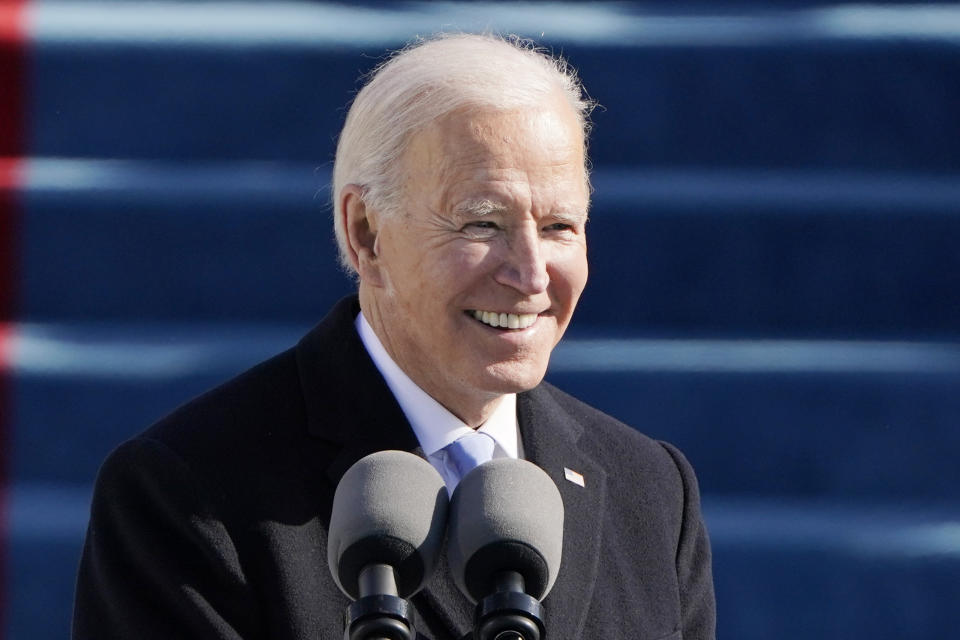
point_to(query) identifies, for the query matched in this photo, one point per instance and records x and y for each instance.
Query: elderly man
(460, 201)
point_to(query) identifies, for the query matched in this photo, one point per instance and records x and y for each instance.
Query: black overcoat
(212, 523)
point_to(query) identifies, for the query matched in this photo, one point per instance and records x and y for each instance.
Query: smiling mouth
(504, 320)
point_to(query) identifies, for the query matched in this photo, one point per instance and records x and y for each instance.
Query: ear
(360, 228)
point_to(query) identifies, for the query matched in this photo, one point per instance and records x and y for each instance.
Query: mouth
(504, 321)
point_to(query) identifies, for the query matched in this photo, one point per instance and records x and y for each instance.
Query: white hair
(426, 81)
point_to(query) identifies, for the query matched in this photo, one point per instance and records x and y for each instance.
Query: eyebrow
(479, 208)
(485, 207)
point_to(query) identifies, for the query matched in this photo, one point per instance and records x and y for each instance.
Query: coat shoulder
(254, 421)
(613, 439)
(259, 398)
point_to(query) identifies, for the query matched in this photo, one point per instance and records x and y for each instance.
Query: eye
(563, 229)
(481, 228)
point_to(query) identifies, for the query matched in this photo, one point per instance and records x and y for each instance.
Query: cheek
(457, 267)
(438, 281)
(569, 275)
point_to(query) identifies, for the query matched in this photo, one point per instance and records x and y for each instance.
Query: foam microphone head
(389, 508)
(506, 515)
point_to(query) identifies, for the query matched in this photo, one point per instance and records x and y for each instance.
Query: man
(460, 201)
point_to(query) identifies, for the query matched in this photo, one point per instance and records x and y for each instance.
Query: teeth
(505, 320)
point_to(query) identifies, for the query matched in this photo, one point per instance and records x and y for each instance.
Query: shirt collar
(434, 426)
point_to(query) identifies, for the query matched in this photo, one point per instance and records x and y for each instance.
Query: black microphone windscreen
(506, 515)
(390, 508)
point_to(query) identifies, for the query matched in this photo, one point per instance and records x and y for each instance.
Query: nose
(524, 267)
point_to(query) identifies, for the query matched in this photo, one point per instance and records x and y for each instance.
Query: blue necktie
(470, 451)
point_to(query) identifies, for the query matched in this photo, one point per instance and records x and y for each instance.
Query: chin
(506, 378)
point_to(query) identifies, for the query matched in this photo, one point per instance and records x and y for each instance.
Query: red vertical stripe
(13, 71)
(12, 142)
(10, 180)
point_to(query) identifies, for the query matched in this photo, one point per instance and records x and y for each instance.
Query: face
(473, 285)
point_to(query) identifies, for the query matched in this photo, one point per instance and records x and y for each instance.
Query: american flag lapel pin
(574, 477)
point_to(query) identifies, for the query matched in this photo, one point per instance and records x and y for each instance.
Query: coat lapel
(350, 407)
(347, 402)
(550, 438)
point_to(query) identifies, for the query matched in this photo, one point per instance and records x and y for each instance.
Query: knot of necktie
(470, 451)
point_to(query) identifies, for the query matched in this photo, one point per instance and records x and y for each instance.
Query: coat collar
(347, 401)
(348, 404)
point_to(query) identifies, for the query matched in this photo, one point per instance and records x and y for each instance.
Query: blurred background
(775, 251)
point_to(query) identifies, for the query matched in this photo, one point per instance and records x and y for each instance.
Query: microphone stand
(379, 613)
(509, 613)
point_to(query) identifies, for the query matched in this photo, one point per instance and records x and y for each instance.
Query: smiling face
(471, 287)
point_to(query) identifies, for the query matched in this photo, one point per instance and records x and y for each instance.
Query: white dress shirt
(434, 426)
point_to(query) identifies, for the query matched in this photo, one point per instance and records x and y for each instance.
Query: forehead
(532, 156)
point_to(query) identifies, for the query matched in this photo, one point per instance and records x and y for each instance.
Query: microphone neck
(509, 581)
(378, 579)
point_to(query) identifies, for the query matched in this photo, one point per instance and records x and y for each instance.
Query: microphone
(505, 539)
(386, 531)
